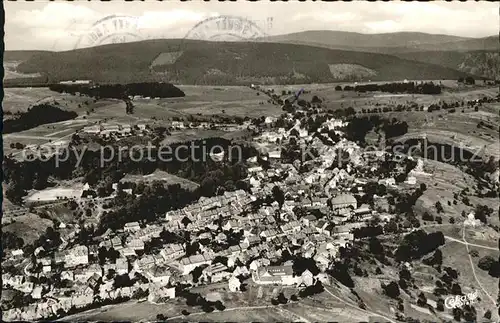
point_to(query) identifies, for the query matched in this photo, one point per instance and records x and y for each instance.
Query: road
(469, 244)
(474, 268)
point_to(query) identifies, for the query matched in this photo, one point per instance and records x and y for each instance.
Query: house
(232, 225)
(67, 274)
(275, 154)
(162, 292)
(116, 243)
(17, 253)
(234, 284)
(121, 266)
(178, 124)
(79, 255)
(280, 275)
(37, 292)
(255, 169)
(94, 281)
(186, 265)
(135, 244)
(269, 234)
(221, 237)
(307, 277)
(172, 251)
(252, 240)
(159, 275)
(309, 220)
(291, 227)
(131, 226)
(343, 204)
(362, 210)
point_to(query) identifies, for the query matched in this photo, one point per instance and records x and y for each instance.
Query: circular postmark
(225, 28)
(111, 30)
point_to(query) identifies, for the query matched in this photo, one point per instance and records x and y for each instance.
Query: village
(241, 237)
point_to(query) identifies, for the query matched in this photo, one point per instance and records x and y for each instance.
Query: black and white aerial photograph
(250, 161)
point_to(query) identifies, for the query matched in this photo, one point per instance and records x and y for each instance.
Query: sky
(61, 25)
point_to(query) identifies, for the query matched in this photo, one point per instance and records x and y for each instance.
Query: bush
(486, 262)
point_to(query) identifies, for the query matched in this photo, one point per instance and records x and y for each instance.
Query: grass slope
(355, 40)
(235, 63)
(390, 43)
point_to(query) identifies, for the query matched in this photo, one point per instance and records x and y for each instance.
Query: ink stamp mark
(111, 30)
(226, 28)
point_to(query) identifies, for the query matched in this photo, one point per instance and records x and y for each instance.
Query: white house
(280, 275)
(159, 275)
(234, 284)
(307, 277)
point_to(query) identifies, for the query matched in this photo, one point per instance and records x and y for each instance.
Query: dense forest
(121, 91)
(36, 116)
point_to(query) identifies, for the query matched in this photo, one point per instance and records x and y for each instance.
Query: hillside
(199, 62)
(354, 40)
(20, 55)
(391, 43)
(484, 63)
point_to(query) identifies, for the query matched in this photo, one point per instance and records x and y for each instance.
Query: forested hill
(199, 62)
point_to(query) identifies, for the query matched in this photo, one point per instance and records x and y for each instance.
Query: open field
(159, 175)
(10, 71)
(52, 194)
(441, 186)
(455, 255)
(319, 308)
(58, 132)
(20, 99)
(28, 227)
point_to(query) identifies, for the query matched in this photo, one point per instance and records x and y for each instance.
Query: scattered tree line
(396, 87)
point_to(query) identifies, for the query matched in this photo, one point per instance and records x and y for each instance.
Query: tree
(219, 306)
(278, 195)
(391, 289)
(439, 207)
(282, 299)
(315, 99)
(440, 305)
(470, 80)
(422, 300)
